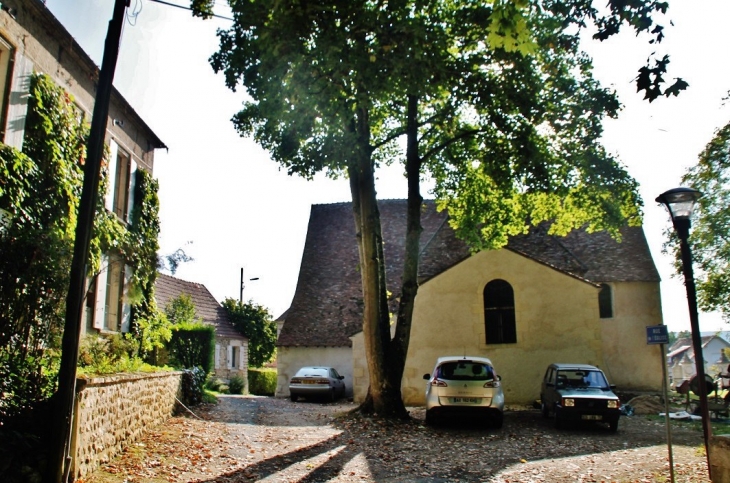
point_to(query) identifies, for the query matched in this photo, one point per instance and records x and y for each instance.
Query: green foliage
(255, 322)
(214, 383)
(262, 382)
(181, 310)
(193, 386)
(709, 235)
(39, 192)
(236, 385)
(39, 195)
(192, 345)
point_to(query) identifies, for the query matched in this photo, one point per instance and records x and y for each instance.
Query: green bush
(236, 385)
(262, 382)
(192, 345)
(193, 381)
(214, 383)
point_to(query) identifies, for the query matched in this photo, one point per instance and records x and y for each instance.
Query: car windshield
(312, 372)
(465, 370)
(582, 379)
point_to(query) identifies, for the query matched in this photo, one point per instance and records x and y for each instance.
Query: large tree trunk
(383, 397)
(385, 357)
(398, 348)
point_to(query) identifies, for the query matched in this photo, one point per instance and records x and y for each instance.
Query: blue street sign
(657, 334)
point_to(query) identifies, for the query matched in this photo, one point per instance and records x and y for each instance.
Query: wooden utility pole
(59, 461)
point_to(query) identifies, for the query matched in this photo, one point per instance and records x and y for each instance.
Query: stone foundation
(113, 411)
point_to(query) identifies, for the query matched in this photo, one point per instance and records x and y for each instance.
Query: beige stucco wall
(290, 359)
(557, 321)
(629, 362)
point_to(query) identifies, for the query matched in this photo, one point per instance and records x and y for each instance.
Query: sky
(230, 207)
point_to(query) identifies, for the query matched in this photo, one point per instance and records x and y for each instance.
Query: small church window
(499, 313)
(605, 302)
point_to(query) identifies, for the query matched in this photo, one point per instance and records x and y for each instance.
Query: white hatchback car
(464, 385)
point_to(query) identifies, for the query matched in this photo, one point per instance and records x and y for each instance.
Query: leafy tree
(181, 310)
(255, 322)
(495, 101)
(710, 233)
(39, 195)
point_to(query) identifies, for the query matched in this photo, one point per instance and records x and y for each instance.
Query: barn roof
(327, 306)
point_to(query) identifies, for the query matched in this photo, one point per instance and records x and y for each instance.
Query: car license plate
(467, 400)
(592, 417)
(310, 382)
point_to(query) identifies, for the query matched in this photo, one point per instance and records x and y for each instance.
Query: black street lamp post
(680, 203)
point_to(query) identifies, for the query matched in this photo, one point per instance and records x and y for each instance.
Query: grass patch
(718, 427)
(209, 397)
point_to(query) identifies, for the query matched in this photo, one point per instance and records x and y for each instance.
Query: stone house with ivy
(231, 347)
(32, 42)
(583, 298)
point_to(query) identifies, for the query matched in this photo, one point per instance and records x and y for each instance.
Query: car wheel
(430, 418)
(544, 408)
(559, 423)
(498, 420)
(293, 397)
(613, 425)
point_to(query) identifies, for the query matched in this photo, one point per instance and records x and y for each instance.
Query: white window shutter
(230, 357)
(18, 107)
(126, 305)
(100, 303)
(217, 356)
(131, 187)
(242, 357)
(112, 176)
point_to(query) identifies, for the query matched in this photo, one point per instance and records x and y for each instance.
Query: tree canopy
(709, 237)
(494, 101)
(255, 322)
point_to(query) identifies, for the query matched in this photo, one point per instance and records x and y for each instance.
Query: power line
(188, 8)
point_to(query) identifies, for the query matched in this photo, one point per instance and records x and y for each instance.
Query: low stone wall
(113, 411)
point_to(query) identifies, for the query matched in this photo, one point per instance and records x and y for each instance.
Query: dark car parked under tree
(578, 392)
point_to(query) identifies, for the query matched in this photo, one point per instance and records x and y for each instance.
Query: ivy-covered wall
(39, 194)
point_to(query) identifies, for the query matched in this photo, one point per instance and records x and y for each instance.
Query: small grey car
(317, 382)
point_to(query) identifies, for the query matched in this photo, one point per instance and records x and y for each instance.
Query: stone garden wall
(113, 411)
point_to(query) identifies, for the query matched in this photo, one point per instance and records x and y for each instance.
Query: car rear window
(312, 372)
(582, 378)
(466, 371)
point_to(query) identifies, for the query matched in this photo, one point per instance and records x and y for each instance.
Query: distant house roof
(684, 348)
(168, 288)
(327, 306)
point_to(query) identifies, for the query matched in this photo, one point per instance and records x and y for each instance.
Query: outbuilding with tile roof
(583, 298)
(231, 347)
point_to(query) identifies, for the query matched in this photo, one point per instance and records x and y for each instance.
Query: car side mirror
(499, 378)
(427, 377)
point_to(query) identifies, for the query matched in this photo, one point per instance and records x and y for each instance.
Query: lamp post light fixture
(680, 202)
(240, 297)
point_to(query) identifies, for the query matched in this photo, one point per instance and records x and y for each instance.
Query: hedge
(262, 382)
(192, 345)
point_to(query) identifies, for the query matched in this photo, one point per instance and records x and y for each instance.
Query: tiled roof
(207, 307)
(327, 305)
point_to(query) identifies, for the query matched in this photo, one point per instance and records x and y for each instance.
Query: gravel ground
(249, 438)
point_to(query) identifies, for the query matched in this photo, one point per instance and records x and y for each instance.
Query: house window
(499, 313)
(6, 53)
(120, 190)
(112, 311)
(605, 302)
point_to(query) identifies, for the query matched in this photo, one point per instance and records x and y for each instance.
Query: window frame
(500, 321)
